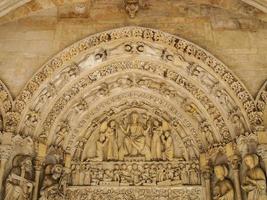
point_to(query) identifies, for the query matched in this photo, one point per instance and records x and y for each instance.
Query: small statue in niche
(255, 180)
(51, 184)
(224, 189)
(19, 184)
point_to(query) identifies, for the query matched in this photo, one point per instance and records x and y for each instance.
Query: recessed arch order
(209, 98)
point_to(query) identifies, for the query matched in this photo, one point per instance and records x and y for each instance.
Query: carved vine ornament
(132, 113)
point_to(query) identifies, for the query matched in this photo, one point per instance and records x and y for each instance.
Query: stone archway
(133, 112)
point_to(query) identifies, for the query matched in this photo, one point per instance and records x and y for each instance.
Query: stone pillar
(67, 162)
(38, 169)
(206, 172)
(235, 164)
(38, 166)
(207, 175)
(234, 159)
(262, 147)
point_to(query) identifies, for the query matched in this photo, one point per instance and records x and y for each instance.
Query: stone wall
(234, 33)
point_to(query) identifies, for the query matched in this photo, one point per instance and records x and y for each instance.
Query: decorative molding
(8, 5)
(131, 113)
(259, 4)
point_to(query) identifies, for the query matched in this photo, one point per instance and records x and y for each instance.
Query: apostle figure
(255, 180)
(18, 184)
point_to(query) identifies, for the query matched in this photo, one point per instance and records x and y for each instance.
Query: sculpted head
(57, 171)
(135, 166)
(112, 124)
(102, 138)
(134, 117)
(26, 164)
(221, 172)
(251, 160)
(167, 133)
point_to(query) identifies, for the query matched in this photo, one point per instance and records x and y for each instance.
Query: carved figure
(78, 150)
(132, 7)
(191, 149)
(126, 177)
(224, 189)
(19, 183)
(61, 134)
(134, 141)
(112, 146)
(224, 99)
(169, 172)
(204, 77)
(168, 146)
(51, 183)
(254, 181)
(45, 95)
(238, 125)
(207, 134)
(30, 122)
(161, 173)
(194, 176)
(117, 173)
(100, 148)
(156, 144)
(88, 175)
(136, 174)
(192, 109)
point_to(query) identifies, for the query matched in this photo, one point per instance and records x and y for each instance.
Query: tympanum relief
(132, 113)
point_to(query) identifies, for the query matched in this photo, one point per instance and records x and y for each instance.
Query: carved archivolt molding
(214, 89)
(6, 104)
(132, 107)
(261, 99)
